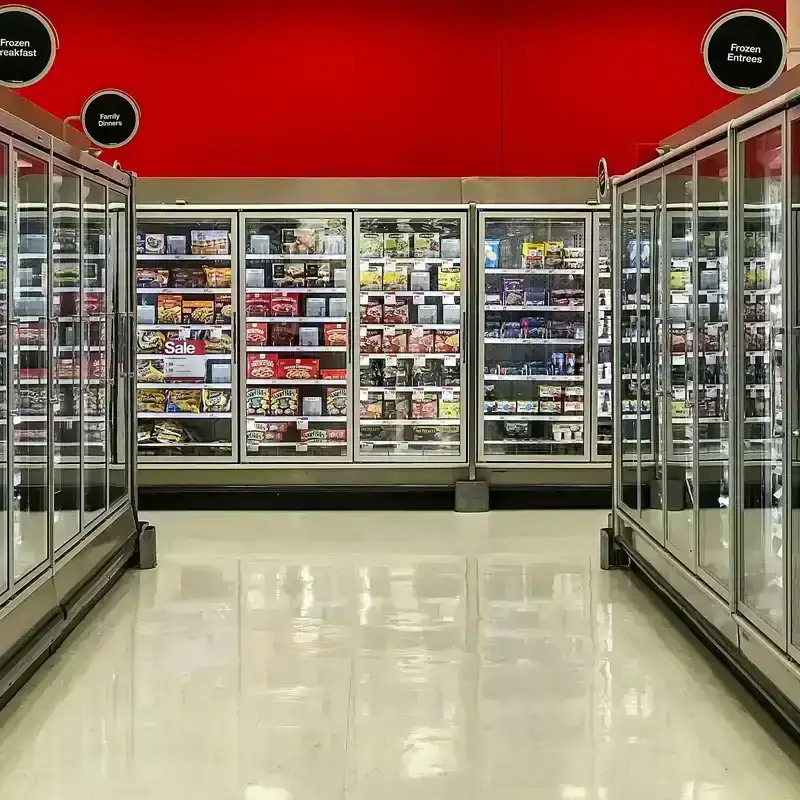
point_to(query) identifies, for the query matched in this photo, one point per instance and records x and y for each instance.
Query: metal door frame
(164, 217)
(5, 416)
(497, 213)
(598, 218)
(297, 212)
(460, 214)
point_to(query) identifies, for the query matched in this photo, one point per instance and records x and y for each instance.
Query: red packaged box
(397, 343)
(38, 373)
(285, 304)
(93, 303)
(298, 369)
(31, 333)
(96, 367)
(420, 341)
(67, 369)
(257, 304)
(334, 375)
(262, 366)
(256, 334)
(335, 334)
(372, 313)
(284, 334)
(371, 342)
(447, 341)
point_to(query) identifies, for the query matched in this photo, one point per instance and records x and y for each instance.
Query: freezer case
(533, 384)
(412, 379)
(186, 287)
(297, 379)
(603, 357)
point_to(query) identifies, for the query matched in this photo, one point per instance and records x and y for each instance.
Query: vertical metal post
(663, 394)
(638, 348)
(470, 398)
(51, 345)
(696, 350)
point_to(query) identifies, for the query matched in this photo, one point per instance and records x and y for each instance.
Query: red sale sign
(185, 347)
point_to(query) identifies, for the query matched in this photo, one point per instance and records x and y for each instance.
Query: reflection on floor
(279, 656)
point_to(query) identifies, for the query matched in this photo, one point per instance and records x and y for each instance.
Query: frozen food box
(337, 307)
(395, 277)
(223, 310)
(371, 276)
(259, 243)
(370, 245)
(533, 255)
(451, 248)
(397, 314)
(446, 341)
(176, 245)
(284, 401)
(371, 409)
(397, 245)
(262, 366)
(427, 314)
(155, 243)
(427, 245)
(210, 243)
(170, 308)
(336, 402)
(491, 254)
(450, 279)
(256, 334)
(312, 406)
(198, 312)
(420, 281)
(298, 369)
(254, 278)
(451, 315)
(449, 409)
(309, 337)
(425, 408)
(335, 334)
(284, 304)
(257, 304)
(372, 313)
(315, 306)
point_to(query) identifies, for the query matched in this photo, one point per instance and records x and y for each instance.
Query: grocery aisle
(280, 656)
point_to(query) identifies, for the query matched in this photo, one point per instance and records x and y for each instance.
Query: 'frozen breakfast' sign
(110, 118)
(745, 51)
(27, 46)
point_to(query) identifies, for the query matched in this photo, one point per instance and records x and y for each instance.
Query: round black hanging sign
(28, 45)
(110, 118)
(745, 51)
(602, 177)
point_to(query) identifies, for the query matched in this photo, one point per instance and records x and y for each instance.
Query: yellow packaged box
(371, 276)
(395, 277)
(533, 255)
(450, 279)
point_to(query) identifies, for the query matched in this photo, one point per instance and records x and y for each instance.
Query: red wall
(386, 88)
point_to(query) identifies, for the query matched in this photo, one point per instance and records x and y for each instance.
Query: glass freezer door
(297, 378)
(411, 282)
(30, 364)
(4, 449)
(534, 318)
(604, 444)
(186, 356)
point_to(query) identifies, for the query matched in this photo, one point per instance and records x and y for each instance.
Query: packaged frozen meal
(395, 277)
(396, 314)
(371, 342)
(262, 366)
(284, 304)
(372, 313)
(169, 309)
(210, 243)
(153, 401)
(420, 341)
(451, 248)
(533, 255)
(151, 278)
(284, 334)
(218, 277)
(446, 341)
(257, 304)
(427, 245)
(216, 401)
(371, 277)
(223, 311)
(336, 402)
(154, 243)
(256, 334)
(176, 245)
(258, 402)
(449, 409)
(184, 401)
(149, 341)
(372, 409)
(425, 408)
(198, 312)
(370, 245)
(150, 371)
(397, 245)
(450, 279)
(396, 342)
(298, 369)
(284, 401)
(298, 241)
(335, 334)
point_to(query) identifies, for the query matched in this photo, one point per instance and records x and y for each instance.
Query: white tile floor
(294, 656)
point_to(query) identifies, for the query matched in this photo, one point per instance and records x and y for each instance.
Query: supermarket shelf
(186, 385)
(604, 341)
(564, 271)
(147, 445)
(575, 309)
(182, 257)
(342, 419)
(418, 389)
(297, 319)
(379, 356)
(182, 415)
(580, 342)
(192, 325)
(299, 446)
(437, 326)
(294, 257)
(515, 442)
(161, 356)
(22, 418)
(296, 349)
(537, 378)
(406, 293)
(295, 290)
(410, 259)
(533, 417)
(189, 290)
(290, 382)
(452, 423)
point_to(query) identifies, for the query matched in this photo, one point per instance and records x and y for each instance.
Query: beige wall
(350, 191)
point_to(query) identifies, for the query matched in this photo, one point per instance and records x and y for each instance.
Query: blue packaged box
(492, 253)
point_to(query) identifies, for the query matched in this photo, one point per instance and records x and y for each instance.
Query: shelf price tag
(451, 361)
(185, 332)
(419, 298)
(390, 300)
(448, 299)
(301, 448)
(389, 330)
(420, 361)
(363, 300)
(402, 447)
(390, 394)
(363, 395)
(302, 423)
(711, 359)
(364, 361)
(418, 393)
(417, 331)
(448, 394)
(391, 361)
(216, 334)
